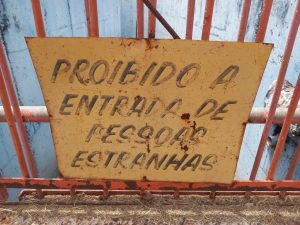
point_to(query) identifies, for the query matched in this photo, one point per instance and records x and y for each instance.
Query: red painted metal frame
(92, 17)
(12, 126)
(39, 24)
(140, 19)
(240, 185)
(7, 86)
(126, 187)
(263, 22)
(244, 20)
(190, 19)
(151, 20)
(278, 87)
(138, 192)
(296, 157)
(209, 9)
(284, 130)
(16, 110)
(38, 18)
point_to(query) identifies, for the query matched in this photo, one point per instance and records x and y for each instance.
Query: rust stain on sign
(168, 110)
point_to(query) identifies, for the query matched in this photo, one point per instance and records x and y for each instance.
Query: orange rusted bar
(39, 24)
(284, 130)
(151, 21)
(244, 20)
(190, 19)
(279, 84)
(264, 19)
(294, 163)
(38, 18)
(12, 126)
(16, 109)
(160, 18)
(92, 17)
(238, 185)
(209, 9)
(140, 19)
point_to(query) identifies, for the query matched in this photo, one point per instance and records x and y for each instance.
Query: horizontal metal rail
(108, 193)
(257, 115)
(238, 185)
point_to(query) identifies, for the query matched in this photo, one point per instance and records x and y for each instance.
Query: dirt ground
(186, 210)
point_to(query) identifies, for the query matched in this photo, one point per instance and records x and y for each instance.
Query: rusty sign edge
(28, 39)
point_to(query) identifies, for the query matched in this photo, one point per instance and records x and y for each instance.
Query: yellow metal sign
(163, 110)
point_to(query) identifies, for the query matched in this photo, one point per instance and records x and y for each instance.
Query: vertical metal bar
(16, 109)
(284, 130)
(190, 19)
(3, 193)
(161, 19)
(12, 126)
(92, 17)
(38, 18)
(241, 38)
(39, 24)
(294, 163)
(244, 20)
(151, 20)
(263, 22)
(209, 9)
(140, 19)
(279, 84)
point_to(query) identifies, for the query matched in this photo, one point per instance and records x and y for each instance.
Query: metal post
(190, 19)
(209, 9)
(151, 19)
(264, 19)
(244, 20)
(140, 19)
(38, 18)
(92, 17)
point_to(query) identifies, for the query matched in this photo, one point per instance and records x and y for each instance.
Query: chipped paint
(170, 122)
